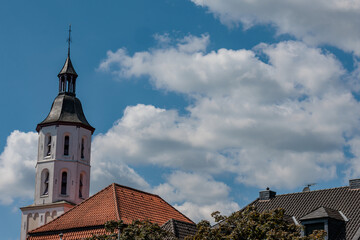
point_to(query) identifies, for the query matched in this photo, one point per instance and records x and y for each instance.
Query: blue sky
(204, 102)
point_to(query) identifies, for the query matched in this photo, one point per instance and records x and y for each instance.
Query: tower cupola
(67, 76)
(66, 108)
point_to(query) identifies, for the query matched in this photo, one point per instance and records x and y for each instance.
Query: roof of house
(114, 202)
(323, 212)
(179, 228)
(71, 235)
(326, 203)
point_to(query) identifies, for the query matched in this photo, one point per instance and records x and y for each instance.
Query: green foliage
(249, 224)
(137, 230)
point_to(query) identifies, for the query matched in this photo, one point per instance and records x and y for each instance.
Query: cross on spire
(69, 40)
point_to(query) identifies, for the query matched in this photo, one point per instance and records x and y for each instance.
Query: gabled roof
(114, 202)
(323, 212)
(303, 204)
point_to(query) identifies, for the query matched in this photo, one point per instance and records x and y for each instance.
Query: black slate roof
(179, 228)
(331, 200)
(323, 212)
(66, 110)
(68, 68)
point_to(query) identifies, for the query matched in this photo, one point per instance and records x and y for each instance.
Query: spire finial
(69, 40)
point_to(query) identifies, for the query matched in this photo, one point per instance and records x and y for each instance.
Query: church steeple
(67, 76)
(64, 150)
(66, 108)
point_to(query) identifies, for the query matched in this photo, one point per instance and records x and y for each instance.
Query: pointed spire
(67, 76)
(68, 67)
(69, 40)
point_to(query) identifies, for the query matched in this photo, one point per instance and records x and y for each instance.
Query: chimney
(354, 183)
(267, 194)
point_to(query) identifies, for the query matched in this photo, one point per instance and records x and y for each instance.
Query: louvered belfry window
(46, 184)
(82, 147)
(66, 145)
(81, 186)
(48, 152)
(63, 183)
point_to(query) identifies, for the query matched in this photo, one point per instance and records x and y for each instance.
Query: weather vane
(69, 40)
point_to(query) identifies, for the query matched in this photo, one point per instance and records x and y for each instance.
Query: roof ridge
(175, 210)
(137, 190)
(117, 210)
(318, 190)
(71, 209)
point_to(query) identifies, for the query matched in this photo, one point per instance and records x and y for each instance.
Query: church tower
(63, 164)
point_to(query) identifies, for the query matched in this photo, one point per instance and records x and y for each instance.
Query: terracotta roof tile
(113, 203)
(72, 235)
(140, 205)
(94, 211)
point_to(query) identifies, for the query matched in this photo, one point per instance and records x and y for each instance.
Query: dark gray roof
(304, 203)
(68, 68)
(323, 212)
(66, 110)
(179, 228)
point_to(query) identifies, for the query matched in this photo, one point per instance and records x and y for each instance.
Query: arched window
(81, 186)
(45, 182)
(82, 147)
(63, 183)
(66, 145)
(48, 146)
(62, 83)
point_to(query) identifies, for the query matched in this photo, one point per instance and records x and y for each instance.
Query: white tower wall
(55, 163)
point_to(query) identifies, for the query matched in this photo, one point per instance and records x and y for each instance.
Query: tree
(249, 224)
(137, 230)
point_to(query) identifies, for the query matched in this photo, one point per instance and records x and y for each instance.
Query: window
(81, 186)
(62, 84)
(44, 189)
(63, 183)
(48, 145)
(82, 147)
(46, 184)
(66, 145)
(309, 228)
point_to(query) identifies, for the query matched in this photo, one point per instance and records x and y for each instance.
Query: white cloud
(279, 123)
(196, 195)
(106, 172)
(289, 115)
(197, 212)
(333, 22)
(353, 170)
(17, 167)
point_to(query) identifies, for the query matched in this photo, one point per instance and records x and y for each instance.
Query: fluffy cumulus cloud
(196, 195)
(353, 170)
(17, 167)
(290, 115)
(277, 115)
(333, 22)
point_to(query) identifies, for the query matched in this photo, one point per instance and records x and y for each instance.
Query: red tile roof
(114, 202)
(71, 235)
